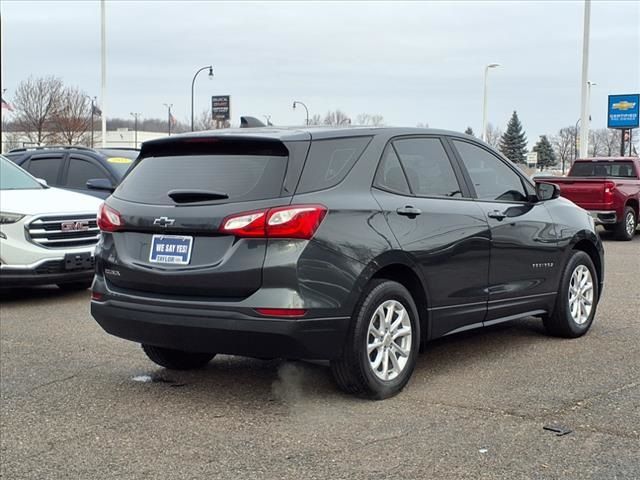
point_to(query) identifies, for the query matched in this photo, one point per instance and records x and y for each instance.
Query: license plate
(173, 249)
(78, 261)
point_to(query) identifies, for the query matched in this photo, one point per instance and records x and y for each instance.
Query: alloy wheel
(389, 340)
(581, 294)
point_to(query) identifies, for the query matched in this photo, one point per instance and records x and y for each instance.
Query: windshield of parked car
(13, 177)
(120, 160)
(621, 169)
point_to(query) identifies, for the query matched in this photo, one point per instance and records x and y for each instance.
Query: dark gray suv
(353, 245)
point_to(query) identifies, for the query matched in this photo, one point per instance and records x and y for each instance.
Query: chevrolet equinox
(353, 245)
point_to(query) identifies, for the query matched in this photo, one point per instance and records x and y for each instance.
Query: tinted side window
(390, 175)
(46, 168)
(329, 161)
(427, 166)
(80, 171)
(491, 177)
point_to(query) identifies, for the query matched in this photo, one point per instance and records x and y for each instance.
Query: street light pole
(484, 103)
(169, 107)
(93, 110)
(584, 107)
(193, 83)
(103, 93)
(135, 127)
(295, 102)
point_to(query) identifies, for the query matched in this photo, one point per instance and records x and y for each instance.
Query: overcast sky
(410, 62)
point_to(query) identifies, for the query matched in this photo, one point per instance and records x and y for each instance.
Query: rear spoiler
(250, 122)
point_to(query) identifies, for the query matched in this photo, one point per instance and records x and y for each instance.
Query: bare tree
(36, 101)
(72, 118)
(494, 134)
(315, 120)
(611, 144)
(337, 117)
(204, 121)
(368, 119)
(597, 140)
(564, 145)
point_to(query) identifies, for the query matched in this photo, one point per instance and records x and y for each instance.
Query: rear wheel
(382, 345)
(177, 359)
(577, 299)
(626, 229)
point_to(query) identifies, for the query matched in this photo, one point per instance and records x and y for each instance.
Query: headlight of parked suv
(6, 217)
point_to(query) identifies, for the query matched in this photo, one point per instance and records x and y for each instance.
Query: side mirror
(100, 184)
(547, 191)
(42, 182)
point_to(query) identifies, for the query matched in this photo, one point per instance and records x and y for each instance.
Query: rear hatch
(172, 204)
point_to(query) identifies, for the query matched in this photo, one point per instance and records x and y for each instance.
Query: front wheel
(177, 359)
(577, 299)
(382, 345)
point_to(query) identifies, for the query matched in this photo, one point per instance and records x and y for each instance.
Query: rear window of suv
(240, 177)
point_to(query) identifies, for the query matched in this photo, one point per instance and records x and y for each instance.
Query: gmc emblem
(74, 226)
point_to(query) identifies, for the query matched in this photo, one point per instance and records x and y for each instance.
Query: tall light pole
(93, 111)
(103, 91)
(135, 116)
(193, 83)
(584, 107)
(169, 107)
(484, 103)
(295, 102)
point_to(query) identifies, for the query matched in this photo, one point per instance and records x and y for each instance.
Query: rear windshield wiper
(193, 196)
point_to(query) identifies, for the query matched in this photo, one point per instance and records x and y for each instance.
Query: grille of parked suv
(64, 231)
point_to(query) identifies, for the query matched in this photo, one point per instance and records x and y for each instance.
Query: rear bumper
(221, 331)
(604, 217)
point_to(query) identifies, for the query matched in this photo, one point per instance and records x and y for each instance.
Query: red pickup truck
(609, 188)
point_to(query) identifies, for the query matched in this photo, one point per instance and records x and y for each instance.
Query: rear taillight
(608, 192)
(109, 220)
(293, 221)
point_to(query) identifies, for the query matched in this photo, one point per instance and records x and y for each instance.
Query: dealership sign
(623, 111)
(221, 107)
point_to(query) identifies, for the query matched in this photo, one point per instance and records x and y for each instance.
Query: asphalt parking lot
(79, 404)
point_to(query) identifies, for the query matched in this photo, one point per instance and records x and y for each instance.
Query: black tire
(73, 286)
(352, 371)
(561, 323)
(622, 229)
(177, 359)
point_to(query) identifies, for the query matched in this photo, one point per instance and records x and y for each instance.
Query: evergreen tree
(469, 131)
(546, 155)
(513, 143)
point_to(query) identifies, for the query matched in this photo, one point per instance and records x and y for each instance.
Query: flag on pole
(6, 105)
(96, 111)
(173, 120)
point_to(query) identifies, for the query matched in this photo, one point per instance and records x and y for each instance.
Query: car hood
(47, 200)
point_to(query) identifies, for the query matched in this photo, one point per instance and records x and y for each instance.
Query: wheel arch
(633, 203)
(398, 267)
(587, 246)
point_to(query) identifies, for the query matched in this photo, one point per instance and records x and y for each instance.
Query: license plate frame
(160, 254)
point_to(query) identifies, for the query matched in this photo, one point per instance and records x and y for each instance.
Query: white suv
(47, 235)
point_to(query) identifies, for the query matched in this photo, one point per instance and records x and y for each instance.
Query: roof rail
(51, 147)
(131, 149)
